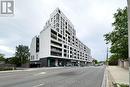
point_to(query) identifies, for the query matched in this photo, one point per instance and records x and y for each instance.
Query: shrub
(7, 68)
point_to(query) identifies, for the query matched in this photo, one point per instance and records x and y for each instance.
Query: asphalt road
(54, 77)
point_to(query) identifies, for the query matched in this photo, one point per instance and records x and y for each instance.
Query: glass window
(57, 29)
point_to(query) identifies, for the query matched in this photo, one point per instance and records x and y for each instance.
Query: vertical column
(56, 62)
(128, 2)
(79, 63)
(48, 62)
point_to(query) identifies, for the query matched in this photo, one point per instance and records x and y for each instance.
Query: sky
(91, 19)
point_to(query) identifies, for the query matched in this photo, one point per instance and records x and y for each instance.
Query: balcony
(53, 36)
(56, 53)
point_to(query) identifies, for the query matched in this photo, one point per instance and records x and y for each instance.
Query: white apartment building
(57, 44)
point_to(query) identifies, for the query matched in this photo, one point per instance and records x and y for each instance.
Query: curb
(104, 82)
(110, 79)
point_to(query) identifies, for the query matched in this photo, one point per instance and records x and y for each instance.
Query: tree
(119, 36)
(2, 57)
(13, 60)
(21, 55)
(113, 60)
(95, 61)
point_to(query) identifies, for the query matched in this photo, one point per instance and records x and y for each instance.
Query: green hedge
(7, 68)
(123, 85)
(120, 85)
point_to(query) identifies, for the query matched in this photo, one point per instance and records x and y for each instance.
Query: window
(59, 11)
(61, 18)
(54, 21)
(61, 32)
(56, 43)
(56, 51)
(61, 26)
(65, 55)
(57, 24)
(64, 38)
(53, 32)
(65, 51)
(65, 46)
(37, 44)
(53, 36)
(31, 57)
(66, 27)
(59, 40)
(59, 35)
(66, 23)
(51, 19)
(57, 29)
(57, 17)
(37, 56)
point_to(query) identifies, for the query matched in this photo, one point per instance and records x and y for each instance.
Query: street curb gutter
(104, 82)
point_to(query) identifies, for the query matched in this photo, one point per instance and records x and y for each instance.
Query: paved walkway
(119, 75)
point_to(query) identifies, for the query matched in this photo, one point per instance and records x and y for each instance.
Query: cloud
(6, 49)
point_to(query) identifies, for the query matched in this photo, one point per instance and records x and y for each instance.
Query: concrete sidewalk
(118, 74)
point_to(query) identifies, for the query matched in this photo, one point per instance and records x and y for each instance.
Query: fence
(123, 63)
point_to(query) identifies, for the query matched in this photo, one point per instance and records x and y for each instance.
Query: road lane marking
(104, 80)
(38, 85)
(29, 70)
(41, 73)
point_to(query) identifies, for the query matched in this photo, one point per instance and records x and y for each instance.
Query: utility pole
(128, 10)
(107, 57)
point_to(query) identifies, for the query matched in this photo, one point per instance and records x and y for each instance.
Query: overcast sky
(91, 19)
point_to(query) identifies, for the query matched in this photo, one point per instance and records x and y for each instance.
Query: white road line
(29, 70)
(104, 82)
(41, 73)
(38, 85)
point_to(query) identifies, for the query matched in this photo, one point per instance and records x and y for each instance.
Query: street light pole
(128, 10)
(107, 57)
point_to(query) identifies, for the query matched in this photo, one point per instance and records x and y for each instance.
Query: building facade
(57, 44)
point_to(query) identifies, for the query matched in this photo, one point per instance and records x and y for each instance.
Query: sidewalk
(118, 74)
